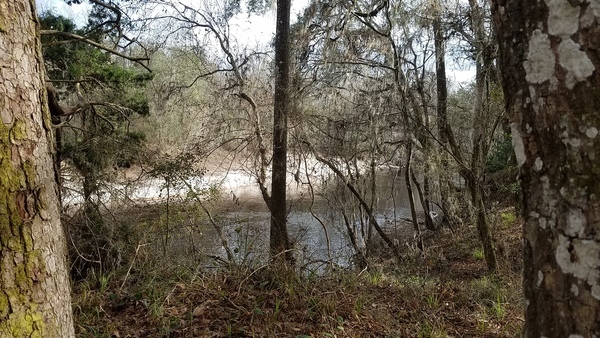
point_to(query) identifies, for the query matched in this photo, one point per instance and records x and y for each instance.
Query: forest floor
(444, 291)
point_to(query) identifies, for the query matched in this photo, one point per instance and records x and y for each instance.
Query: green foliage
(430, 330)
(96, 154)
(52, 21)
(97, 139)
(479, 254)
(234, 7)
(501, 156)
(433, 300)
(58, 55)
(502, 171)
(508, 218)
(72, 60)
(259, 6)
(138, 103)
(498, 305)
(102, 138)
(173, 168)
(136, 136)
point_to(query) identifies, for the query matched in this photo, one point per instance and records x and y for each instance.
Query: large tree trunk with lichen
(550, 60)
(34, 284)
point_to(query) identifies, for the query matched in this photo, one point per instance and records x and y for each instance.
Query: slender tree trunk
(429, 225)
(279, 242)
(34, 284)
(477, 166)
(441, 82)
(550, 62)
(481, 222)
(425, 192)
(423, 136)
(441, 111)
(411, 197)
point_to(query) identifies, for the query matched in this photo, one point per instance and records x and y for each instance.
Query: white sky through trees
(252, 31)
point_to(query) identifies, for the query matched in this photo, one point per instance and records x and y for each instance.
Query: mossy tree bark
(550, 61)
(34, 284)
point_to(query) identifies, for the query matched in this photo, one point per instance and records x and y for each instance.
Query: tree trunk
(279, 240)
(442, 115)
(411, 197)
(429, 224)
(476, 178)
(481, 222)
(550, 64)
(34, 284)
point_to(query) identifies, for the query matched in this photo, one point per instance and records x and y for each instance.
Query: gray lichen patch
(539, 164)
(591, 132)
(563, 19)
(588, 18)
(575, 61)
(543, 223)
(595, 6)
(549, 199)
(574, 290)
(539, 66)
(518, 144)
(580, 258)
(575, 223)
(575, 142)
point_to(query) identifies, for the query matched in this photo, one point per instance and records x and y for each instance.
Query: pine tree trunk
(550, 62)
(34, 284)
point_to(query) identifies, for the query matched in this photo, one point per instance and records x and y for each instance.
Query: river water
(317, 228)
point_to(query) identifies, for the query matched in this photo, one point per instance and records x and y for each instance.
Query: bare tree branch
(76, 37)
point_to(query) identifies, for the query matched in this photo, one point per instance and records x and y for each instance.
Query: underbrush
(444, 291)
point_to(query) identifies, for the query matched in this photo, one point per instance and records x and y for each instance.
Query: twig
(137, 249)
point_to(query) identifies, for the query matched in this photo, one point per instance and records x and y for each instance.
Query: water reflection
(246, 221)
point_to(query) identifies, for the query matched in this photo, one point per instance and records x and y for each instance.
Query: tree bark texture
(550, 61)
(279, 240)
(34, 284)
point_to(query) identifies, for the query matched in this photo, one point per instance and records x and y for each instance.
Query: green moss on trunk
(23, 324)
(19, 316)
(2, 25)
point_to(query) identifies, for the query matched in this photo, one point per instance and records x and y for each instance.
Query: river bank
(441, 292)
